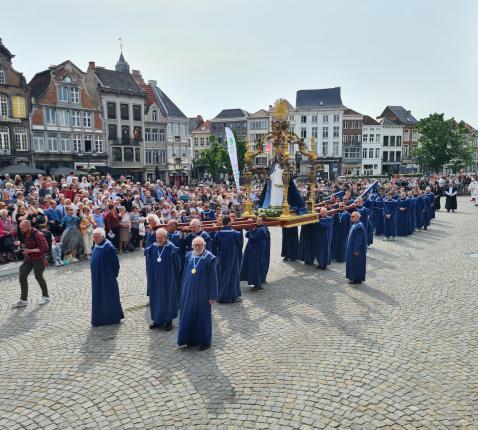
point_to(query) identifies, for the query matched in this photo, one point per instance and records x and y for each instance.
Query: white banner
(232, 150)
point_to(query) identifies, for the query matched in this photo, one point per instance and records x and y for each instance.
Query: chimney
(153, 83)
(137, 76)
(91, 65)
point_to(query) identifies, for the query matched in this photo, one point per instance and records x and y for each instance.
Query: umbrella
(20, 169)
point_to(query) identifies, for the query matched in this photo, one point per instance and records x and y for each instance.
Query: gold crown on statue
(281, 109)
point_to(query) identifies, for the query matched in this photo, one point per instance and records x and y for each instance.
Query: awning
(20, 169)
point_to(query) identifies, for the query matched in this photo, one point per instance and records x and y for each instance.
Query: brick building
(352, 122)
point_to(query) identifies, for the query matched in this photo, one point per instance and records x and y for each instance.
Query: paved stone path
(311, 351)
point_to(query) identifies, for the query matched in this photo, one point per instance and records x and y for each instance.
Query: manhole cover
(474, 255)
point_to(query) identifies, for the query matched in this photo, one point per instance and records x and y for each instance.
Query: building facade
(235, 119)
(392, 134)
(258, 124)
(200, 139)
(66, 124)
(371, 147)
(14, 112)
(399, 115)
(122, 102)
(351, 142)
(319, 114)
(472, 142)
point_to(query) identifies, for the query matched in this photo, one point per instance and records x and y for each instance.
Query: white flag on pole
(232, 150)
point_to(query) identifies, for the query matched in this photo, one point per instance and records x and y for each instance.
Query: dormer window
(75, 95)
(2, 76)
(154, 115)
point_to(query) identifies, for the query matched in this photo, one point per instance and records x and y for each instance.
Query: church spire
(122, 65)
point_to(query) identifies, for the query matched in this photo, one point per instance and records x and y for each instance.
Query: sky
(211, 55)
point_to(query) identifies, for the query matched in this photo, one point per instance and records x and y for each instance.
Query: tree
(442, 141)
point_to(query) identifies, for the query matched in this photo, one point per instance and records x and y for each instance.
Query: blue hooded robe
(187, 242)
(290, 243)
(105, 296)
(378, 216)
(163, 281)
(390, 218)
(324, 241)
(412, 215)
(356, 264)
(254, 257)
(195, 322)
(227, 245)
(365, 220)
(431, 205)
(307, 243)
(267, 256)
(403, 207)
(340, 234)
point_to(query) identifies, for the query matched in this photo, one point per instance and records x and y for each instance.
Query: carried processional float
(280, 139)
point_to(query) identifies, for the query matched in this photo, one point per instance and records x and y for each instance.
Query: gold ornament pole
(247, 181)
(312, 174)
(285, 185)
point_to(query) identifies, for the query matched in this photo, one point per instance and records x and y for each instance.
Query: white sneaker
(44, 301)
(57, 264)
(20, 304)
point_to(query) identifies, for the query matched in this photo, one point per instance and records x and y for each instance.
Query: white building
(319, 114)
(392, 134)
(258, 124)
(371, 147)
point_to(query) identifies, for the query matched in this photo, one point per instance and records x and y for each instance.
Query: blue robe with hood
(356, 264)
(105, 296)
(378, 216)
(324, 241)
(254, 257)
(340, 234)
(390, 223)
(403, 227)
(195, 321)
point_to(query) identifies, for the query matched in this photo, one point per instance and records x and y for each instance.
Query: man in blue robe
(267, 252)
(196, 230)
(324, 239)
(412, 215)
(403, 206)
(426, 212)
(371, 222)
(390, 217)
(226, 247)
(364, 216)
(164, 267)
(307, 243)
(419, 210)
(105, 296)
(198, 292)
(290, 244)
(340, 233)
(207, 214)
(356, 251)
(431, 202)
(173, 235)
(254, 256)
(378, 216)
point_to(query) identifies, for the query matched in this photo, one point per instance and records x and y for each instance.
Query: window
(325, 131)
(76, 118)
(336, 149)
(2, 76)
(128, 154)
(124, 108)
(371, 138)
(87, 119)
(162, 134)
(125, 134)
(99, 144)
(52, 144)
(196, 141)
(111, 108)
(397, 155)
(399, 140)
(154, 134)
(112, 132)
(370, 153)
(196, 154)
(385, 156)
(136, 112)
(4, 137)
(149, 156)
(364, 153)
(405, 134)
(137, 135)
(336, 117)
(76, 143)
(377, 152)
(303, 119)
(63, 93)
(64, 117)
(325, 118)
(415, 134)
(351, 153)
(385, 140)
(75, 95)
(315, 132)
(147, 135)
(3, 105)
(365, 138)
(162, 157)
(88, 143)
(38, 143)
(20, 138)
(303, 132)
(314, 118)
(65, 143)
(50, 116)
(345, 124)
(18, 107)
(155, 116)
(325, 147)
(377, 138)
(202, 141)
(117, 154)
(336, 131)
(137, 155)
(392, 140)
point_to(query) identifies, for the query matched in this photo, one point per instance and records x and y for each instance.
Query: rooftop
(232, 114)
(322, 98)
(404, 116)
(119, 81)
(368, 120)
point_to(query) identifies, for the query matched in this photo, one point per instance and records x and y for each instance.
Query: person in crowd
(341, 229)
(324, 239)
(365, 214)
(87, 225)
(173, 235)
(403, 219)
(450, 193)
(227, 245)
(254, 256)
(35, 248)
(136, 219)
(112, 225)
(199, 291)
(99, 218)
(105, 296)
(6, 236)
(71, 239)
(163, 267)
(356, 251)
(390, 217)
(196, 230)
(124, 232)
(290, 243)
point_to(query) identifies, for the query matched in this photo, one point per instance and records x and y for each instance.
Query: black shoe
(322, 267)
(286, 259)
(153, 326)
(168, 326)
(355, 282)
(204, 347)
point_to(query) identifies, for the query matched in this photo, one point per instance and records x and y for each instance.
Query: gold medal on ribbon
(193, 271)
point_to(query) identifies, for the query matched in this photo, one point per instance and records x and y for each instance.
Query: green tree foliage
(442, 142)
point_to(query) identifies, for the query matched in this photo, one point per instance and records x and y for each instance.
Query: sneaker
(57, 264)
(74, 260)
(44, 301)
(20, 304)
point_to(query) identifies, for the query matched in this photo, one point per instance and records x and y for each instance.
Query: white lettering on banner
(232, 150)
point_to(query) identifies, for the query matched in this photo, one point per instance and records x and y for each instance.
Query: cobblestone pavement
(311, 351)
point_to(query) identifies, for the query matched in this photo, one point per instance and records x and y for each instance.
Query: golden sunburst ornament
(281, 109)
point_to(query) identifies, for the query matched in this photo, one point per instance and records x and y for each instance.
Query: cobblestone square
(311, 351)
